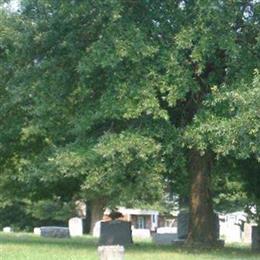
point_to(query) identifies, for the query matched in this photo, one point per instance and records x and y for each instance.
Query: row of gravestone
(74, 229)
(182, 228)
(117, 232)
(111, 232)
(120, 233)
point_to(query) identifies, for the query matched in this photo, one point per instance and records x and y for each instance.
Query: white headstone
(7, 229)
(166, 230)
(247, 234)
(96, 229)
(141, 233)
(111, 252)
(76, 227)
(230, 228)
(37, 231)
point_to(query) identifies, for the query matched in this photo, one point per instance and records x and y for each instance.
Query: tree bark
(95, 212)
(201, 224)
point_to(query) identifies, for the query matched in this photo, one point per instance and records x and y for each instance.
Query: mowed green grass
(21, 246)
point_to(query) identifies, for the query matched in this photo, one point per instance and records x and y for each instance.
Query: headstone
(247, 234)
(111, 252)
(56, 232)
(115, 232)
(7, 230)
(164, 239)
(256, 238)
(183, 224)
(76, 227)
(232, 227)
(96, 229)
(37, 231)
(167, 230)
(141, 233)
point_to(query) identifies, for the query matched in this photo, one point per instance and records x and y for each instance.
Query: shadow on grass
(28, 239)
(229, 250)
(88, 242)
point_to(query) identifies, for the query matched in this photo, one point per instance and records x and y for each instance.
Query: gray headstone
(115, 233)
(164, 239)
(217, 226)
(256, 238)
(56, 232)
(111, 252)
(183, 224)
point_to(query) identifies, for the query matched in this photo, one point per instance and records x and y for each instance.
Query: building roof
(137, 211)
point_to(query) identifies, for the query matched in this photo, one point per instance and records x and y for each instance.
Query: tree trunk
(201, 225)
(95, 212)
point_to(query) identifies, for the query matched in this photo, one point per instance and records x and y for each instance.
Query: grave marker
(56, 232)
(76, 227)
(37, 231)
(165, 238)
(115, 232)
(111, 252)
(7, 230)
(256, 238)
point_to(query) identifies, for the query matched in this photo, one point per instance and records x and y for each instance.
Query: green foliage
(16, 217)
(49, 210)
(230, 194)
(127, 162)
(249, 173)
(231, 125)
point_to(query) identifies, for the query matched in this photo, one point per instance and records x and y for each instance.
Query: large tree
(123, 96)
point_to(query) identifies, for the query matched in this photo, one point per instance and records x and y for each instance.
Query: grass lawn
(21, 246)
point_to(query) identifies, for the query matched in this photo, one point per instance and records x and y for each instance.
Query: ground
(20, 246)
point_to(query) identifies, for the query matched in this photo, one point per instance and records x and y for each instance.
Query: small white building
(141, 218)
(143, 221)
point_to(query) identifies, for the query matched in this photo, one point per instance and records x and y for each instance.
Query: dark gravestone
(56, 232)
(115, 232)
(183, 224)
(256, 238)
